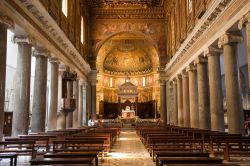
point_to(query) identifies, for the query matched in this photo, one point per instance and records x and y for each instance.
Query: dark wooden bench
(148, 137)
(73, 155)
(40, 141)
(106, 140)
(164, 140)
(11, 156)
(188, 160)
(158, 154)
(113, 132)
(71, 161)
(24, 147)
(177, 145)
(238, 146)
(60, 145)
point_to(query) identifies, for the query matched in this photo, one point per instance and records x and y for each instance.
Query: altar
(128, 114)
(127, 101)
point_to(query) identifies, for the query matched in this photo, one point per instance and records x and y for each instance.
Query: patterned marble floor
(128, 151)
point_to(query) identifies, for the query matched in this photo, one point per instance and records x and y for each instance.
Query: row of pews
(71, 146)
(180, 145)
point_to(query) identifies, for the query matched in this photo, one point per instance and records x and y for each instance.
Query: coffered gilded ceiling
(121, 4)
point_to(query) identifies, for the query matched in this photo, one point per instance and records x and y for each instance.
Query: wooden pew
(238, 146)
(178, 145)
(24, 147)
(113, 131)
(163, 139)
(78, 145)
(217, 144)
(73, 155)
(106, 141)
(158, 154)
(11, 156)
(71, 161)
(40, 142)
(188, 160)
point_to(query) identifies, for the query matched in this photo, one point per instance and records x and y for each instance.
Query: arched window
(82, 30)
(110, 82)
(189, 6)
(65, 7)
(143, 81)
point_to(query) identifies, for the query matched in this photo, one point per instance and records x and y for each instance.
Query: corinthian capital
(245, 20)
(23, 40)
(162, 81)
(190, 67)
(54, 60)
(212, 51)
(93, 77)
(200, 60)
(6, 20)
(41, 52)
(229, 38)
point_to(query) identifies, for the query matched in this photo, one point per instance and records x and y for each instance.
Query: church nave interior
(125, 82)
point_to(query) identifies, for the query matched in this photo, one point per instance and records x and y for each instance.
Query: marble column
(180, 101)
(75, 96)
(53, 107)
(93, 101)
(69, 117)
(245, 22)
(80, 106)
(61, 118)
(169, 101)
(203, 94)
(5, 23)
(84, 111)
(163, 113)
(175, 103)
(233, 94)
(40, 89)
(215, 89)
(93, 82)
(88, 101)
(22, 90)
(193, 96)
(186, 110)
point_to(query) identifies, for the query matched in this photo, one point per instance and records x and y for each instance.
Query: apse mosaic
(127, 61)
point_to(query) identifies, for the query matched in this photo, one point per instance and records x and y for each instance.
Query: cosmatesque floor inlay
(128, 151)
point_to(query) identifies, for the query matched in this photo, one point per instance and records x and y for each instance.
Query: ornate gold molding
(129, 14)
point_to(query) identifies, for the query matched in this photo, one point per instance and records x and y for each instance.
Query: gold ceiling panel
(123, 4)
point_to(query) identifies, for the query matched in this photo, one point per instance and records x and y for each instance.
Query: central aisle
(128, 151)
